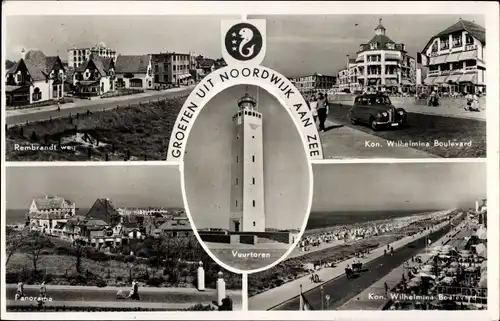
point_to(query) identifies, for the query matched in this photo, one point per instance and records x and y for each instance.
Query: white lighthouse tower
(247, 169)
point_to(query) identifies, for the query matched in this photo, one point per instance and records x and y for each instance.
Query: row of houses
(102, 226)
(37, 77)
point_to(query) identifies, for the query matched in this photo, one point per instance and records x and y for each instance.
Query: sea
(327, 219)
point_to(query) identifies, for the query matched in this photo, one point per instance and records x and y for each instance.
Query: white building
(77, 56)
(45, 213)
(247, 212)
(457, 58)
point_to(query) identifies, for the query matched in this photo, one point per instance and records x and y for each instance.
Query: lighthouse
(247, 169)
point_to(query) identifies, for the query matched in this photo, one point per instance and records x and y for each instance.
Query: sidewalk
(97, 101)
(273, 297)
(370, 298)
(117, 288)
(341, 142)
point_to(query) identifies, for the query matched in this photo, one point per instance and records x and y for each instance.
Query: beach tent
(427, 268)
(426, 275)
(482, 234)
(483, 281)
(447, 280)
(481, 250)
(484, 266)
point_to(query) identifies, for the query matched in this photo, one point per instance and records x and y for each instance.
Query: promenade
(374, 297)
(276, 296)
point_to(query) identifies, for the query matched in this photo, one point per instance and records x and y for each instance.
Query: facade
(347, 79)
(34, 78)
(172, 68)
(134, 72)
(46, 214)
(384, 64)
(77, 56)
(314, 82)
(176, 227)
(456, 59)
(94, 77)
(247, 212)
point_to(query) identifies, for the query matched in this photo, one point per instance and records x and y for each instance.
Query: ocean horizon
(316, 219)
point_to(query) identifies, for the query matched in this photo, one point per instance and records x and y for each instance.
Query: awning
(360, 59)
(438, 60)
(453, 57)
(392, 56)
(467, 55)
(472, 78)
(429, 80)
(407, 83)
(9, 88)
(440, 79)
(453, 78)
(391, 82)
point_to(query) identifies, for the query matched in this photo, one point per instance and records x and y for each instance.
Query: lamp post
(327, 297)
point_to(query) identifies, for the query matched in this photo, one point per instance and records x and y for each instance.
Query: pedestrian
(313, 104)
(475, 102)
(134, 291)
(322, 108)
(469, 99)
(20, 290)
(43, 290)
(386, 287)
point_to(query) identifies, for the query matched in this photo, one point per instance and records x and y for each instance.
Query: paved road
(88, 294)
(21, 116)
(342, 289)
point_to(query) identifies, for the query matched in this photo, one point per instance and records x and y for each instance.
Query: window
(253, 136)
(469, 40)
(253, 223)
(434, 47)
(236, 182)
(253, 180)
(237, 159)
(253, 203)
(445, 43)
(457, 40)
(236, 203)
(253, 158)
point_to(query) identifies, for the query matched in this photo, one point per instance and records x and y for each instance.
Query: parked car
(377, 111)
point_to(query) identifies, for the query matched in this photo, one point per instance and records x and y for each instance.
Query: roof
(50, 202)
(9, 88)
(181, 224)
(39, 66)
(472, 28)
(464, 25)
(206, 63)
(9, 64)
(132, 64)
(94, 222)
(103, 65)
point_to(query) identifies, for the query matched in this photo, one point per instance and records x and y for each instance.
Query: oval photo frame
(200, 97)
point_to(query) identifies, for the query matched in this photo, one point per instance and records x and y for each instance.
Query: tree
(34, 245)
(14, 241)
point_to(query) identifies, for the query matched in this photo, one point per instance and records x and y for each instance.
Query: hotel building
(77, 56)
(456, 59)
(314, 82)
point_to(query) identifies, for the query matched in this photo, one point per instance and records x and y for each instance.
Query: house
(34, 78)
(457, 59)
(104, 210)
(47, 212)
(94, 77)
(134, 72)
(176, 227)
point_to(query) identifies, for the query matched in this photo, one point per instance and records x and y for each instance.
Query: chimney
(23, 54)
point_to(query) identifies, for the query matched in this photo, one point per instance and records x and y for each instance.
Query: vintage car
(377, 111)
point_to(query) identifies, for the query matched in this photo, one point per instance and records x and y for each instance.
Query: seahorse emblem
(247, 35)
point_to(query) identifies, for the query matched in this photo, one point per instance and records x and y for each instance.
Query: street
(81, 106)
(342, 289)
(107, 296)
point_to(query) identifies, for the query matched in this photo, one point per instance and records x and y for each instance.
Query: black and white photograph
(94, 88)
(373, 242)
(99, 238)
(240, 155)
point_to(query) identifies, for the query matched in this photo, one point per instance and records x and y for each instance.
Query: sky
(208, 159)
(297, 45)
(408, 186)
(126, 186)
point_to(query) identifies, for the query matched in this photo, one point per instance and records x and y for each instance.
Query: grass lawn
(141, 132)
(427, 128)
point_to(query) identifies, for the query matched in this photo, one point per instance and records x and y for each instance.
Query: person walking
(20, 290)
(322, 108)
(43, 290)
(58, 106)
(313, 104)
